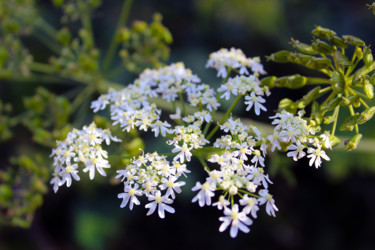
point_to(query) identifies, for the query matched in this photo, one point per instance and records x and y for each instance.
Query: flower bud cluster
(151, 175)
(80, 147)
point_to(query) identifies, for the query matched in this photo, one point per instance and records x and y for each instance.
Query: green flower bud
(352, 143)
(139, 26)
(323, 32)
(268, 81)
(303, 47)
(124, 35)
(366, 115)
(367, 57)
(337, 41)
(334, 141)
(64, 36)
(358, 52)
(372, 79)
(338, 82)
(292, 82)
(329, 119)
(311, 96)
(350, 122)
(354, 41)
(319, 63)
(323, 47)
(332, 104)
(6, 193)
(282, 56)
(288, 105)
(368, 88)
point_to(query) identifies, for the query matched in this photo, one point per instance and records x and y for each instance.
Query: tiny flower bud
(338, 82)
(352, 40)
(323, 32)
(368, 88)
(358, 52)
(311, 95)
(337, 41)
(352, 143)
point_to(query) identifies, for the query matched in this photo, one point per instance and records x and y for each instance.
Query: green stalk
(225, 117)
(86, 23)
(113, 45)
(336, 114)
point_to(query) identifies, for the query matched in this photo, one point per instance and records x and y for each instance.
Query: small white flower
(130, 194)
(221, 203)
(316, 154)
(172, 186)
(160, 202)
(251, 205)
(184, 153)
(297, 151)
(265, 197)
(67, 173)
(256, 101)
(206, 192)
(160, 126)
(237, 220)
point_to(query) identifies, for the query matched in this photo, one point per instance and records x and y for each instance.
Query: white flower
(206, 192)
(160, 126)
(184, 153)
(256, 101)
(221, 203)
(316, 154)
(160, 202)
(130, 194)
(98, 163)
(237, 220)
(251, 205)
(265, 197)
(67, 173)
(297, 151)
(172, 186)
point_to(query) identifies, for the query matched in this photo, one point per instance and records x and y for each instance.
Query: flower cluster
(150, 175)
(234, 161)
(294, 133)
(224, 60)
(249, 86)
(80, 146)
(239, 176)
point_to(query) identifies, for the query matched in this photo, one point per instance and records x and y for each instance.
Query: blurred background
(329, 208)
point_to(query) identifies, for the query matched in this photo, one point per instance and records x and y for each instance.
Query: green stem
(113, 45)
(336, 114)
(86, 22)
(42, 68)
(47, 28)
(317, 80)
(246, 192)
(224, 118)
(203, 162)
(81, 97)
(52, 45)
(182, 103)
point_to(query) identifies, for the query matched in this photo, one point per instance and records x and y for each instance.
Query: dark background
(329, 208)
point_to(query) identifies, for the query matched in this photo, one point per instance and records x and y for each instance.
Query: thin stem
(182, 103)
(246, 192)
(47, 28)
(203, 162)
(224, 118)
(42, 68)
(52, 45)
(336, 114)
(113, 45)
(81, 97)
(86, 22)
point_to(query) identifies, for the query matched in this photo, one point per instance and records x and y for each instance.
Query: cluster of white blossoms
(240, 178)
(294, 133)
(224, 60)
(236, 157)
(152, 176)
(80, 146)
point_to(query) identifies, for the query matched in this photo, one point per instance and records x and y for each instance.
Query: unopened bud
(323, 32)
(353, 142)
(368, 88)
(311, 95)
(338, 82)
(352, 40)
